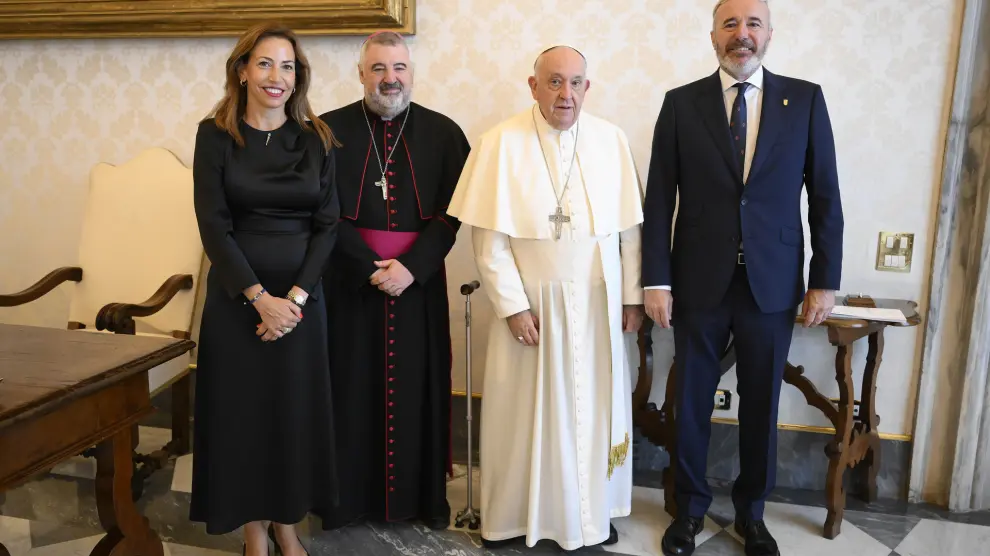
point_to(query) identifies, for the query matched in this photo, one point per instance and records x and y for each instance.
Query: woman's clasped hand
(278, 317)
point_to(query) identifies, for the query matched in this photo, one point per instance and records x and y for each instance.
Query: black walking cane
(469, 514)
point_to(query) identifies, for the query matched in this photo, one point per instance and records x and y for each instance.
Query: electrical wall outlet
(855, 406)
(894, 252)
(723, 400)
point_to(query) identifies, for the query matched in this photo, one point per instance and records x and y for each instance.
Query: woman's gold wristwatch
(298, 299)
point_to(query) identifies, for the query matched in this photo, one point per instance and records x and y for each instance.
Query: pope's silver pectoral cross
(558, 218)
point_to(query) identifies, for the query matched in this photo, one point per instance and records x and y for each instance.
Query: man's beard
(742, 69)
(388, 106)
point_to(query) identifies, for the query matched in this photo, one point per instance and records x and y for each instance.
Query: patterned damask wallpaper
(885, 66)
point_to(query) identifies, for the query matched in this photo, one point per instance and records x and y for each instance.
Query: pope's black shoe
(613, 535)
(678, 540)
(499, 544)
(759, 541)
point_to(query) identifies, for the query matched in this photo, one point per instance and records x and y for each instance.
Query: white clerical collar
(728, 81)
(546, 128)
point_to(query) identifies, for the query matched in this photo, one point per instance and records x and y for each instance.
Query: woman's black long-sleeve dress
(263, 442)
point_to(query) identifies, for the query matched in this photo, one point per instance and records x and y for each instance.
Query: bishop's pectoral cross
(383, 184)
(558, 218)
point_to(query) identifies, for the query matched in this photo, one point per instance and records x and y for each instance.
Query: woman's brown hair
(229, 111)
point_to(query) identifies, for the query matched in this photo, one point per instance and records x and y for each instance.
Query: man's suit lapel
(711, 104)
(772, 119)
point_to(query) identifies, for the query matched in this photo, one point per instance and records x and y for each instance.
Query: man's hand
(659, 306)
(632, 318)
(525, 328)
(392, 277)
(817, 306)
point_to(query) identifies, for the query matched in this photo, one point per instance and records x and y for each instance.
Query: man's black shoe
(437, 523)
(678, 540)
(759, 541)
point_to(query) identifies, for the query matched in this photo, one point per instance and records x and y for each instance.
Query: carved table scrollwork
(856, 442)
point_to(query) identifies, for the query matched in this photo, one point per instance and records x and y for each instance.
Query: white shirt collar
(728, 81)
(545, 126)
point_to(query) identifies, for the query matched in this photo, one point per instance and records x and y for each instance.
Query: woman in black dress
(267, 210)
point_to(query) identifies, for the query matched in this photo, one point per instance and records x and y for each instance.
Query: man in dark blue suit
(737, 146)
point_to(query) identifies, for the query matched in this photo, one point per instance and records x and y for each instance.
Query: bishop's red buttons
(391, 173)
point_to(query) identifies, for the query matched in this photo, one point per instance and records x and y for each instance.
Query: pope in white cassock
(555, 205)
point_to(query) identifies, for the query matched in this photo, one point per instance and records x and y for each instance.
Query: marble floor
(55, 515)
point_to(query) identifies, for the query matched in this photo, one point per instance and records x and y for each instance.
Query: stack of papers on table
(868, 313)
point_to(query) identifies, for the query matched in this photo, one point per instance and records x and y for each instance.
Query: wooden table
(856, 442)
(64, 391)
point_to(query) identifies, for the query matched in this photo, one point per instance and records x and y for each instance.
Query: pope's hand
(525, 328)
(632, 318)
(659, 306)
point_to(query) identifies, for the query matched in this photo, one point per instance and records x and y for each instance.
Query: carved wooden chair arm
(43, 286)
(119, 317)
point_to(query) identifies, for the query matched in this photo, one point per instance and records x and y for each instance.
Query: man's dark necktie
(737, 128)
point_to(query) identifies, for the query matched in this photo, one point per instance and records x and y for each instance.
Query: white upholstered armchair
(140, 263)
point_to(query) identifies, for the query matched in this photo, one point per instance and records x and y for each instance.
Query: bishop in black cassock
(390, 356)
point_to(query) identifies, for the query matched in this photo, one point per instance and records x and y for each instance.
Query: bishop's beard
(389, 106)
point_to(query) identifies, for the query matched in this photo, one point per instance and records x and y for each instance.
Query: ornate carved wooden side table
(856, 442)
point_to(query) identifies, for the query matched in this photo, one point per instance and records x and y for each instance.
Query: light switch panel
(894, 251)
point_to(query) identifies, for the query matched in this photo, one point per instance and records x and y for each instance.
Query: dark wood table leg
(868, 422)
(841, 417)
(838, 449)
(128, 532)
(181, 413)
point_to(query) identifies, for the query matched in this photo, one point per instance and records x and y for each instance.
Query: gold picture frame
(65, 19)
